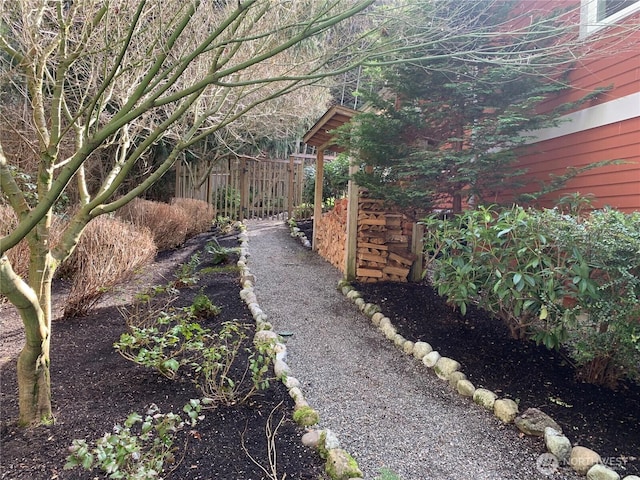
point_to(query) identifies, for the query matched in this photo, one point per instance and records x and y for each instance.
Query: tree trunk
(34, 388)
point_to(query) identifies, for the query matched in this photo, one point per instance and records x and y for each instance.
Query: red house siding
(613, 61)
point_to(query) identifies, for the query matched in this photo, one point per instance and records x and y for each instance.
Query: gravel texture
(387, 409)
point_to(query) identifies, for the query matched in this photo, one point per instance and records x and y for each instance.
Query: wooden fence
(245, 187)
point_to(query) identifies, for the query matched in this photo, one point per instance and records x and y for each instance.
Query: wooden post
(317, 197)
(417, 248)
(290, 188)
(244, 189)
(352, 225)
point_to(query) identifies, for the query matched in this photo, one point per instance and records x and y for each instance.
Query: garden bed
(94, 388)
(595, 417)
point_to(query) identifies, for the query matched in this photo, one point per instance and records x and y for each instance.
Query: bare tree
(122, 76)
(127, 74)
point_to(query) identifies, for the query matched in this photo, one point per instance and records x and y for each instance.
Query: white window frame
(589, 23)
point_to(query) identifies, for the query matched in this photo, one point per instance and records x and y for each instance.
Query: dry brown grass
(168, 223)
(110, 251)
(200, 213)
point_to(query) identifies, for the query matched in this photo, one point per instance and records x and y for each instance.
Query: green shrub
(559, 279)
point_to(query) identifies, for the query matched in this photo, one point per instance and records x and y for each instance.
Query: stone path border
(339, 464)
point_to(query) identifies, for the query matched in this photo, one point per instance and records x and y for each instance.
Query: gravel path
(387, 409)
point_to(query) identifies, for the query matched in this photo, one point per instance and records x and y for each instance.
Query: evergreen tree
(445, 128)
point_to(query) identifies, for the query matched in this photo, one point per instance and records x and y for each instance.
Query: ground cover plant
(129, 418)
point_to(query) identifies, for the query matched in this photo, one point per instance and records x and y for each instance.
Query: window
(596, 14)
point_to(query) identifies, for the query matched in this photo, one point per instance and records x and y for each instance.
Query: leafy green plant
(556, 278)
(202, 307)
(187, 274)
(173, 341)
(137, 450)
(222, 377)
(506, 263)
(386, 474)
(218, 253)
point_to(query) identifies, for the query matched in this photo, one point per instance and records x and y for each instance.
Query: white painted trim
(618, 110)
(589, 13)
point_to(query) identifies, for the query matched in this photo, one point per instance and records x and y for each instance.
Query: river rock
(465, 388)
(431, 358)
(485, 398)
(311, 438)
(376, 317)
(280, 369)
(582, 459)
(455, 377)
(445, 367)
(420, 349)
(408, 347)
(384, 323)
(533, 422)
(557, 444)
(505, 409)
(600, 472)
(341, 466)
(399, 340)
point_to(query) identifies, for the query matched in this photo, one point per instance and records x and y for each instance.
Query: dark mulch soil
(606, 421)
(94, 388)
(595, 417)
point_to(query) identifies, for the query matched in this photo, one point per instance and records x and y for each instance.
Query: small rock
(445, 366)
(311, 438)
(557, 444)
(370, 309)
(533, 422)
(280, 369)
(582, 459)
(390, 332)
(631, 477)
(265, 336)
(295, 393)
(420, 349)
(384, 322)
(455, 377)
(465, 388)
(600, 472)
(346, 289)
(353, 294)
(505, 410)
(306, 416)
(485, 398)
(359, 303)
(376, 317)
(399, 340)
(431, 358)
(291, 382)
(341, 466)
(329, 440)
(408, 347)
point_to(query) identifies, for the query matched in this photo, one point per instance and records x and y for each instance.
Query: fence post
(317, 198)
(244, 190)
(290, 189)
(417, 248)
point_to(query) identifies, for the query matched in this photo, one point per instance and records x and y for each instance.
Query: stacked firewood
(331, 234)
(384, 242)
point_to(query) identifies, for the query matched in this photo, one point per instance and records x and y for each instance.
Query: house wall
(605, 129)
